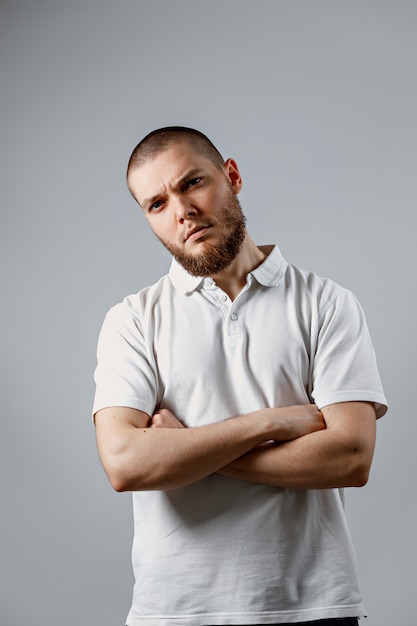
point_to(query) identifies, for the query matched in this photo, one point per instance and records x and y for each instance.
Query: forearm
(336, 457)
(311, 462)
(169, 458)
(137, 457)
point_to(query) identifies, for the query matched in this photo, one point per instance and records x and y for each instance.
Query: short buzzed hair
(161, 139)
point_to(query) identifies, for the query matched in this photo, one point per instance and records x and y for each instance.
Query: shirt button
(233, 317)
(224, 298)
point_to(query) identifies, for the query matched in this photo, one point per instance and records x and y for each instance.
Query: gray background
(317, 101)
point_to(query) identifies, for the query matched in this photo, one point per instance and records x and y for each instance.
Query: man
(236, 398)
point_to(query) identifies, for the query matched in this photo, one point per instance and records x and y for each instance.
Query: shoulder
(310, 289)
(134, 306)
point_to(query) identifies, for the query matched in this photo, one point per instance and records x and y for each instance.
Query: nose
(184, 210)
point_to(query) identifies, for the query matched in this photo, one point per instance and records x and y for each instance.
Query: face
(192, 207)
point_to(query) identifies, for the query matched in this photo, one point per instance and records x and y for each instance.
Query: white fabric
(224, 551)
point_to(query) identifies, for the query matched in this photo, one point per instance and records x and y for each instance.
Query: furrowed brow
(147, 202)
(193, 173)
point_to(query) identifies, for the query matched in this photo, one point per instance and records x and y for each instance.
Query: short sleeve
(344, 367)
(124, 374)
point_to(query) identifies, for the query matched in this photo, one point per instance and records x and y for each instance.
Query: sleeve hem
(378, 399)
(131, 403)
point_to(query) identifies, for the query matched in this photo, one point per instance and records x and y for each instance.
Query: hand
(296, 421)
(164, 419)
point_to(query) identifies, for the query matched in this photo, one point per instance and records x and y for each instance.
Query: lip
(196, 233)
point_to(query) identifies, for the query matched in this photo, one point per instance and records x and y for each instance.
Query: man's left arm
(344, 366)
(339, 456)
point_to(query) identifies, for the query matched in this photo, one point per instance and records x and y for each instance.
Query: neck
(233, 278)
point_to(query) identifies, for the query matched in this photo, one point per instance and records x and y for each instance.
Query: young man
(236, 398)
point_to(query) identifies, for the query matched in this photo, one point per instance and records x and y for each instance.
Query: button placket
(218, 296)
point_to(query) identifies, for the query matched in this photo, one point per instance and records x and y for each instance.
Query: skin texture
(191, 207)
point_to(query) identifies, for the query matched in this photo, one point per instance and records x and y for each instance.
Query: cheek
(166, 230)
(216, 203)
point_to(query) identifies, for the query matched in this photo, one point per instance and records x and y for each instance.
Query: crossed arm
(294, 447)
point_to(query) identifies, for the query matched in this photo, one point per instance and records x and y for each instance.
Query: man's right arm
(138, 457)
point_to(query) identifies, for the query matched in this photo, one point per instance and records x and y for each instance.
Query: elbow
(124, 475)
(358, 475)
(120, 478)
(122, 469)
(117, 480)
(118, 483)
(357, 462)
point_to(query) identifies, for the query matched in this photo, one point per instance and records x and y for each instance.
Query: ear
(232, 172)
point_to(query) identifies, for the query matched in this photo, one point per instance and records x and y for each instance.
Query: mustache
(194, 229)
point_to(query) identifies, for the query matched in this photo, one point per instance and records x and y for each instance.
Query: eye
(192, 182)
(155, 206)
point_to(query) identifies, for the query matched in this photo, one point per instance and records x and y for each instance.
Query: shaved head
(164, 138)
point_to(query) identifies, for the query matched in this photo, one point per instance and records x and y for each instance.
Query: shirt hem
(243, 619)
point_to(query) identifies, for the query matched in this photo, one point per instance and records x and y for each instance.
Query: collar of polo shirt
(268, 273)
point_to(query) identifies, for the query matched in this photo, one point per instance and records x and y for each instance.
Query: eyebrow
(189, 174)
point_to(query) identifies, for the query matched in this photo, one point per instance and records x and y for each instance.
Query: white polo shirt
(224, 551)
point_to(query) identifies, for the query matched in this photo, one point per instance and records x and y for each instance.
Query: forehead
(167, 168)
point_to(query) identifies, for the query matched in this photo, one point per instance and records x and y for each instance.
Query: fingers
(164, 419)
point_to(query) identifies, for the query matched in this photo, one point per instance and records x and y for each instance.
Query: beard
(216, 257)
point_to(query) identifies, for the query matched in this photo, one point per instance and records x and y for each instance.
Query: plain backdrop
(316, 101)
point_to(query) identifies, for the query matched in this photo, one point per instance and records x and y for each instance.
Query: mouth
(196, 233)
